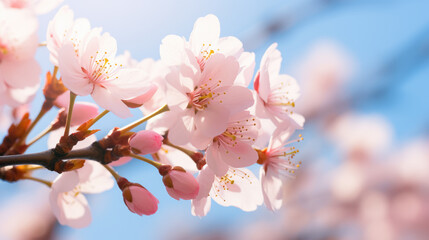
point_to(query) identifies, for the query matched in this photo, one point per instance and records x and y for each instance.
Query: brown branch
(49, 158)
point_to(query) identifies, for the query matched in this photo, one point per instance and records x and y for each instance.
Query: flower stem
(184, 150)
(47, 183)
(144, 119)
(69, 114)
(113, 172)
(151, 162)
(38, 137)
(94, 120)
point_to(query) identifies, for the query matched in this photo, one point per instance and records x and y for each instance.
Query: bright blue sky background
(371, 31)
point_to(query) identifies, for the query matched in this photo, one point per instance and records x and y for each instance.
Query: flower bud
(137, 198)
(146, 142)
(179, 183)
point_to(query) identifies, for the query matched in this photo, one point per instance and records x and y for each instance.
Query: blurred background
(364, 75)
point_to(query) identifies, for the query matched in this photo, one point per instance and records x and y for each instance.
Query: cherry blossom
(277, 166)
(239, 188)
(68, 203)
(35, 6)
(203, 102)
(19, 71)
(276, 93)
(63, 28)
(233, 148)
(204, 41)
(90, 69)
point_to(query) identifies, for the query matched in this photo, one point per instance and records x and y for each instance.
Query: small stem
(43, 44)
(69, 114)
(47, 183)
(94, 120)
(151, 162)
(33, 124)
(184, 150)
(54, 74)
(38, 137)
(113, 172)
(144, 119)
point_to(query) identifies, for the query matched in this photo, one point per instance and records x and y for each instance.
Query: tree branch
(48, 158)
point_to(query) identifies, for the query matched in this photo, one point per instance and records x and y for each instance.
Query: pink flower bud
(179, 183)
(82, 112)
(146, 142)
(137, 198)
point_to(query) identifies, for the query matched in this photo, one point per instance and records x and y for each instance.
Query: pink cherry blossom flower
(63, 28)
(146, 142)
(179, 183)
(90, 69)
(204, 41)
(322, 73)
(34, 6)
(201, 104)
(137, 198)
(18, 35)
(276, 93)
(233, 148)
(350, 133)
(19, 71)
(68, 203)
(239, 188)
(277, 166)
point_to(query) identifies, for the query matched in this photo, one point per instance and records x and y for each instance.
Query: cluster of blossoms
(202, 118)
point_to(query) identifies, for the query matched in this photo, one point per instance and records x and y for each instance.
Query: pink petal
(221, 69)
(205, 180)
(212, 121)
(241, 155)
(82, 112)
(20, 74)
(230, 46)
(75, 211)
(172, 50)
(180, 132)
(108, 101)
(235, 99)
(247, 67)
(272, 189)
(66, 181)
(200, 207)
(94, 178)
(215, 162)
(206, 31)
(71, 72)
